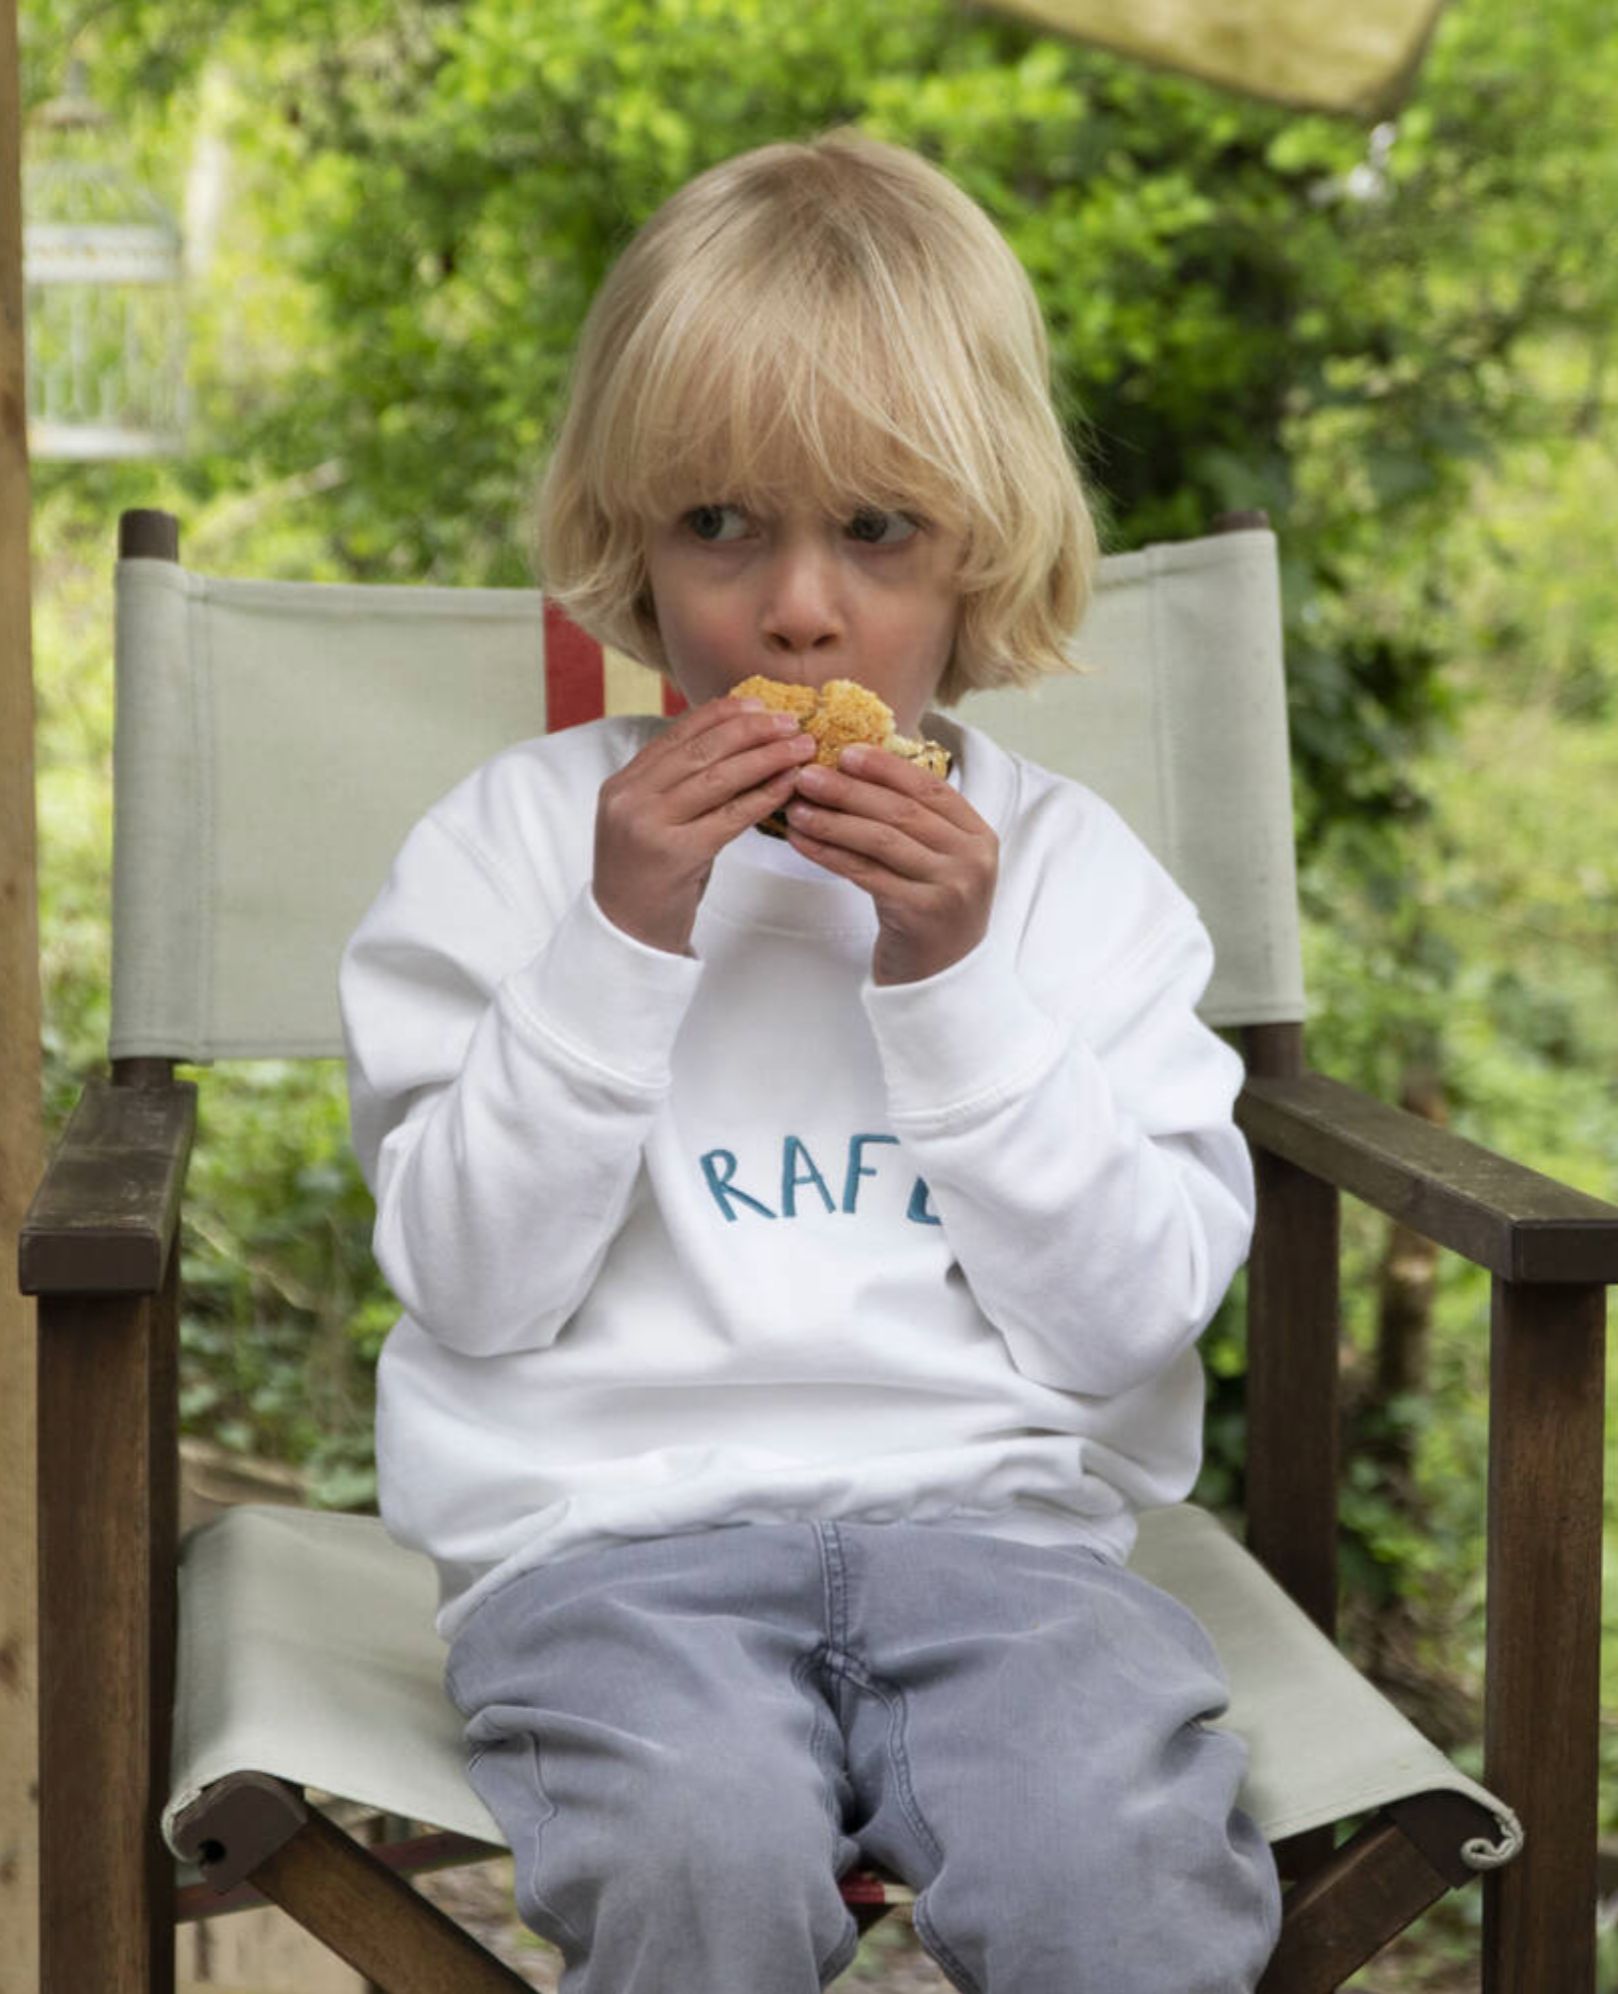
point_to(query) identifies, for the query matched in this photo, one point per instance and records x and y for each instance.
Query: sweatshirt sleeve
(1093, 1186)
(504, 1069)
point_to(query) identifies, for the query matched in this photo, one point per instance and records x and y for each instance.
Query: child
(803, 1245)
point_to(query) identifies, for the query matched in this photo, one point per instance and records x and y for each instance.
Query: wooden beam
(1347, 1911)
(1292, 1357)
(20, 1142)
(1542, 1684)
(105, 1217)
(1518, 1223)
(108, 1474)
(373, 1919)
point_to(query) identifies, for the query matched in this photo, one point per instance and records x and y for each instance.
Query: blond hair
(835, 321)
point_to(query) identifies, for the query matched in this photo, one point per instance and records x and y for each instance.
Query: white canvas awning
(1356, 59)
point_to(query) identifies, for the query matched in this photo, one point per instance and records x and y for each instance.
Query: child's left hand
(916, 845)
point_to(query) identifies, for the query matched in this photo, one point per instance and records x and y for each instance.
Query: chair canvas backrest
(276, 741)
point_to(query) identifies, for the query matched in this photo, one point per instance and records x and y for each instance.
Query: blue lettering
(857, 1168)
(792, 1151)
(920, 1211)
(719, 1167)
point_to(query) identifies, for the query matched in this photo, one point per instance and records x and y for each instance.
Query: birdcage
(103, 274)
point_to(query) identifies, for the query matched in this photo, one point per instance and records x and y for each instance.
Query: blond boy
(803, 1245)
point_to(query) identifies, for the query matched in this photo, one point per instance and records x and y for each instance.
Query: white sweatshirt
(686, 1241)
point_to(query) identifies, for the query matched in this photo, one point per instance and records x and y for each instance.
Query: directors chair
(201, 1712)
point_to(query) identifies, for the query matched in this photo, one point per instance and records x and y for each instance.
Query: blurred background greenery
(1398, 342)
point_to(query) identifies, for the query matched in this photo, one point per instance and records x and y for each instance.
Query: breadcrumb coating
(841, 714)
(847, 714)
(778, 696)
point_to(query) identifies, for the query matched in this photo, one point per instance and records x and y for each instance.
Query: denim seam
(834, 1584)
(547, 1815)
(820, 1727)
(922, 1923)
(841, 1955)
(893, 1699)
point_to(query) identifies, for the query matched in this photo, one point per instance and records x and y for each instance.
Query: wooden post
(1292, 1336)
(1543, 1684)
(106, 1640)
(20, 1146)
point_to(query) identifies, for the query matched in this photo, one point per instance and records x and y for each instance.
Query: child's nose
(803, 608)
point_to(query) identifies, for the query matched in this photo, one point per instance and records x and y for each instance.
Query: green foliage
(285, 1310)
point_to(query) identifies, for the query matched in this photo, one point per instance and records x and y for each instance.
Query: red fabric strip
(574, 690)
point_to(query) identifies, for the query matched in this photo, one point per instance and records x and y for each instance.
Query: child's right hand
(664, 817)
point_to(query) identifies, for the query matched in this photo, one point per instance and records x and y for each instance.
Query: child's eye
(717, 522)
(881, 529)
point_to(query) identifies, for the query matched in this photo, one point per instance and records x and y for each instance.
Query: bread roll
(839, 714)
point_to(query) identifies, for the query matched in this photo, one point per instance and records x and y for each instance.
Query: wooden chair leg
(1293, 1318)
(1299, 1856)
(1542, 1708)
(1348, 1910)
(372, 1919)
(106, 1630)
(251, 1828)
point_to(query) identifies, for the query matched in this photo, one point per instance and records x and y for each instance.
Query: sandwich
(839, 714)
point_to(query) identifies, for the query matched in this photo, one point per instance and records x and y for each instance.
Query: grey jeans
(686, 1742)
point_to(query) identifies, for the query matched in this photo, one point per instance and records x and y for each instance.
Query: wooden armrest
(1517, 1223)
(104, 1219)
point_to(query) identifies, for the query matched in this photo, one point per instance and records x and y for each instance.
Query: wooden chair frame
(100, 1250)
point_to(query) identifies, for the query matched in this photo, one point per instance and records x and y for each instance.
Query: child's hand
(665, 816)
(918, 848)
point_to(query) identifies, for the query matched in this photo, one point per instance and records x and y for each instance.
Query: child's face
(795, 595)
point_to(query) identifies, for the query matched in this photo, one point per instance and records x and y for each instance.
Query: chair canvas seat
(307, 1651)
